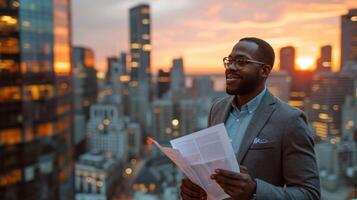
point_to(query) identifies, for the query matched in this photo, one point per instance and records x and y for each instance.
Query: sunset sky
(204, 31)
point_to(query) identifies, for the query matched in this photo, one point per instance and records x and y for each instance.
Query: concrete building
(95, 175)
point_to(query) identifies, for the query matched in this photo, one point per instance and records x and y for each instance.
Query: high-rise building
(279, 84)
(349, 116)
(349, 37)
(287, 59)
(300, 86)
(140, 76)
(177, 74)
(85, 93)
(140, 43)
(35, 100)
(163, 82)
(327, 97)
(325, 60)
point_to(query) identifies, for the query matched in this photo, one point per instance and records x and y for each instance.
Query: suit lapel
(222, 116)
(260, 117)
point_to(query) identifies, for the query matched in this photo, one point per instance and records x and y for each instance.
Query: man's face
(247, 78)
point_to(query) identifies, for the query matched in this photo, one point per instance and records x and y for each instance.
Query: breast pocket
(268, 145)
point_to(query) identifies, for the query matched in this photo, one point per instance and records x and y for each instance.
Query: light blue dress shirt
(238, 120)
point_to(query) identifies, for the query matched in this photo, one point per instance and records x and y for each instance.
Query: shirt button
(237, 120)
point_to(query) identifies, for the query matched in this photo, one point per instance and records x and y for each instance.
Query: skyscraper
(85, 93)
(300, 80)
(287, 59)
(140, 43)
(349, 37)
(327, 97)
(35, 100)
(140, 77)
(177, 74)
(324, 62)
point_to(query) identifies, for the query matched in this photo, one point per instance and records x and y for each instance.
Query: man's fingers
(230, 174)
(243, 169)
(188, 183)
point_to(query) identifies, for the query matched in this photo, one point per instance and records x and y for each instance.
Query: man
(273, 143)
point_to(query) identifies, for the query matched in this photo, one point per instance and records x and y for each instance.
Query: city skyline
(187, 27)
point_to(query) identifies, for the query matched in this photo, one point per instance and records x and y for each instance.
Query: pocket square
(260, 141)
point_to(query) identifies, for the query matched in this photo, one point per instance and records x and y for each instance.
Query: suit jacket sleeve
(299, 166)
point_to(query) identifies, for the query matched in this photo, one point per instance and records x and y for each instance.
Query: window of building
(8, 66)
(9, 45)
(36, 92)
(44, 130)
(10, 178)
(10, 93)
(10, 136)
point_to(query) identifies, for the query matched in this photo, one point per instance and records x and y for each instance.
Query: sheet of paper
(205, 151)
(176, 157)
(200, 153)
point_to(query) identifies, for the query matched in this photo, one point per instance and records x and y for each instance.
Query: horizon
(195, 29)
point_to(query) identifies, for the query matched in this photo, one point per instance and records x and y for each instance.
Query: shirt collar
(253, 104)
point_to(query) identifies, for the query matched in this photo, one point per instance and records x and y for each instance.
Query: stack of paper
(200, 153)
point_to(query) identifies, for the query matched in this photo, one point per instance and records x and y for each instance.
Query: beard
(245, 85)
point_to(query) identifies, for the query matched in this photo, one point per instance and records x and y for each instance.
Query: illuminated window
(29, 135)
(124, 78)
(135, 46)
(145, 36)
(145, 11)
(146, 47)
(146, 21)
(323, 116)
(10, 93)
(62, 49)
(316, 106)
(36, 92)
(45, 130)
(11, 178)
(8, 66)
(10, 136)
(134, 64)
(9, 45)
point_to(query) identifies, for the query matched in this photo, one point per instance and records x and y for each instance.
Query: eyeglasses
(239, 61)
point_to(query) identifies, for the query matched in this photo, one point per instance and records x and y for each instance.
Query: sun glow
(305, 63)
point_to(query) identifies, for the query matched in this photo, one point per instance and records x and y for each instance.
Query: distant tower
(324, 62)
(140, 77)
(287, 59)
(177, 74)
(348, 37)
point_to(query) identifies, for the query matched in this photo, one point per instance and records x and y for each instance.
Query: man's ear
(265, 71)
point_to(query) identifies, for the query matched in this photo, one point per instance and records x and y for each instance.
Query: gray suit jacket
(277, 148)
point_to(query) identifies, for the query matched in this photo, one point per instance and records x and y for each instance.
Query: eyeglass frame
(226, 65)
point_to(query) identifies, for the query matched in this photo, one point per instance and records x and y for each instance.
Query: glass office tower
(35, 100)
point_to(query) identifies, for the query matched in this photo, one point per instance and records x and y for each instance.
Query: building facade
(349, 37)
(36, 143)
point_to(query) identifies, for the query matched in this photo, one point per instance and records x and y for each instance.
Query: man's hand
(237, 185)
(190, 190)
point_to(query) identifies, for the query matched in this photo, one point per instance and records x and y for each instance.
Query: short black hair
(266, 51)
